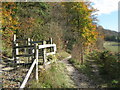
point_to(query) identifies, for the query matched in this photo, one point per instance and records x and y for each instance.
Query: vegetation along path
(80, 79)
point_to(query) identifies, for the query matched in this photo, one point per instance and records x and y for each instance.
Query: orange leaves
(9, 21)
(82, 22)
(8, 17)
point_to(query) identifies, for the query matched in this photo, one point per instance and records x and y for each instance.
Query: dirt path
(80, 79)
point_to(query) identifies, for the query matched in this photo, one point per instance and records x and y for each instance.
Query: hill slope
(109, 34)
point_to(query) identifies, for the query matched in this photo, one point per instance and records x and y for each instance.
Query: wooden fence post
(32, 50)
(28, 42)
(51, 41)
(44, 54)
(14, 43)
(17, 52)
(36, 57)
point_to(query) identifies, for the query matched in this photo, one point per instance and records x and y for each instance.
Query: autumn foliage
(82, 25)
(57, 20)
(9, 22)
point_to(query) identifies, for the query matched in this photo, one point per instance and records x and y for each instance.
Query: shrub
(51, 58)
(109, 64)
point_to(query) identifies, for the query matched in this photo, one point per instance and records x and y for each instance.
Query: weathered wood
(33, 42)
(36, 57)
(44, 53)
(55, 48)
(29, 50)
(51, 43)
(24, 46)
(14, 51)
(33, 50)
(51, 53)
(29, 41)
(47, 45)
(28, 75)
(14, 37)
(17, 51)
(25, 55)
(17, 40)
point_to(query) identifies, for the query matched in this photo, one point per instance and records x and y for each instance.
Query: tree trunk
(82, 54)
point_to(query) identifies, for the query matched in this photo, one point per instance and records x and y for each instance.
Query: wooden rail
(47, 45)
(28, 74)
(25, 55)
(25, 46)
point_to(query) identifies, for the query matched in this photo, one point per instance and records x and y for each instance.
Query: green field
(112, 46)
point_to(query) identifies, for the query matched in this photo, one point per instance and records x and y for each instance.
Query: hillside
(109, 34)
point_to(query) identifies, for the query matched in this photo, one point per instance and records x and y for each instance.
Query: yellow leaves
(15, 22)
(82, 22)
(8, 18)
(83, 35)
(1, 31)
(62, 5)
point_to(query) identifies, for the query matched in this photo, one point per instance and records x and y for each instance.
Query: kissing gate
(33, 50)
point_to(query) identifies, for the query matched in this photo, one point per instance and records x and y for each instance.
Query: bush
(109, 65)
(7, 51)
(51, 58)
(95, 55)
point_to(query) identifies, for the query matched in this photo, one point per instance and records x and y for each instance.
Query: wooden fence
(32, 49)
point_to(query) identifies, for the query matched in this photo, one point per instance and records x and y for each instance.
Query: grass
(55, 77)
(112, 46)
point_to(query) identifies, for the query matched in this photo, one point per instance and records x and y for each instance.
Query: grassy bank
(55, 77)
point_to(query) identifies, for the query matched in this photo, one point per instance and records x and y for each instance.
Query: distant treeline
(109, 35)
(113, 38)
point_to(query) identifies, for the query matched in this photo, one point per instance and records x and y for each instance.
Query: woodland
(74, 29)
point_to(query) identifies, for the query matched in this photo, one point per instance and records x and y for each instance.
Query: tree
(9, 22)
(81, 21)
(32, 16)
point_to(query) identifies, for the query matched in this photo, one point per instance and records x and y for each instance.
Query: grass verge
(54, 77)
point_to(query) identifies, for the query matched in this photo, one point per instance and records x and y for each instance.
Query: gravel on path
(80, 79)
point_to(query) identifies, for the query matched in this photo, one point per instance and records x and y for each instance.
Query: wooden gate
(32, 51)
